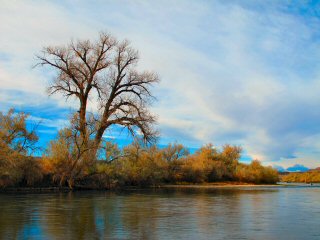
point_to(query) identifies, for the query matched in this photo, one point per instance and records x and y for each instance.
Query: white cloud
(56, 123)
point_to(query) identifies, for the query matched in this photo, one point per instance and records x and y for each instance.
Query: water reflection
(242, 213)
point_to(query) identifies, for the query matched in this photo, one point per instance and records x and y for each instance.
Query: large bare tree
(105, 71)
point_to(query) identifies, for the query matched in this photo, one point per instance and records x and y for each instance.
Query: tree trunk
(97, 141)
(70, 183)
(82, 119)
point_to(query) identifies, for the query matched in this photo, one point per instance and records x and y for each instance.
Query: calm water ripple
(201, 213)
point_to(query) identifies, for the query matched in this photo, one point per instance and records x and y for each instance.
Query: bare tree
(105, 70)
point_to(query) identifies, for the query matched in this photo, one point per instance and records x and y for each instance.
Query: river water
(186, 213)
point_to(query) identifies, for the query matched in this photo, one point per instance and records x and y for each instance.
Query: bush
(306, 177)
(256, 173)
(141, 166)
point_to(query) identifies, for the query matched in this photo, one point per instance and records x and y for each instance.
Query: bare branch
(103, 71)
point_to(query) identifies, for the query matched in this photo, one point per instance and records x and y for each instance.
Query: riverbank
(34, 189)
(219, 185)
(240, 184)
(124, 188)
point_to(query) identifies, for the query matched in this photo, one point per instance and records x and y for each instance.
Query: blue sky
(238, 72)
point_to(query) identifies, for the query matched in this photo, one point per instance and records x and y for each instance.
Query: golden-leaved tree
(17, 143)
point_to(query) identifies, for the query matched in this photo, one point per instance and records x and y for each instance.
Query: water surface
(224, 213)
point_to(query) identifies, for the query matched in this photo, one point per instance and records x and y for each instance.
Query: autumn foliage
(137, 164)
(17, 143)
(312, 176)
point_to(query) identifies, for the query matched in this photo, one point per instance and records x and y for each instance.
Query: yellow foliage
(306, 177)
(256, 173)
(17, 167)
(70, 158)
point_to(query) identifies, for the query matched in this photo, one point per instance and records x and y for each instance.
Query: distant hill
(295, 168)
(315, 170)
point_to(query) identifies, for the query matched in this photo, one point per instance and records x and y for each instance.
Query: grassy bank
(27, 189)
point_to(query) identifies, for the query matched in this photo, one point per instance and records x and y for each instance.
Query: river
(183, 213)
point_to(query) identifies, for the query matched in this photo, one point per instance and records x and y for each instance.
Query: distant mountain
(279, 168)
(297, 168)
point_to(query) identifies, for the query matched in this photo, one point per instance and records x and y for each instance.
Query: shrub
(256, 173)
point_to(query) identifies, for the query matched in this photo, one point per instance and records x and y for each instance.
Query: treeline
(312, 176)
(137, 164)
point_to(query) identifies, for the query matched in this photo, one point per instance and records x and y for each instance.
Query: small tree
(230, 156)
(17, 143)
(14, 135)
(69, 156)
(174, 154)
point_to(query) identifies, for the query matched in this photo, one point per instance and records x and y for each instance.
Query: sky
(240, 72)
